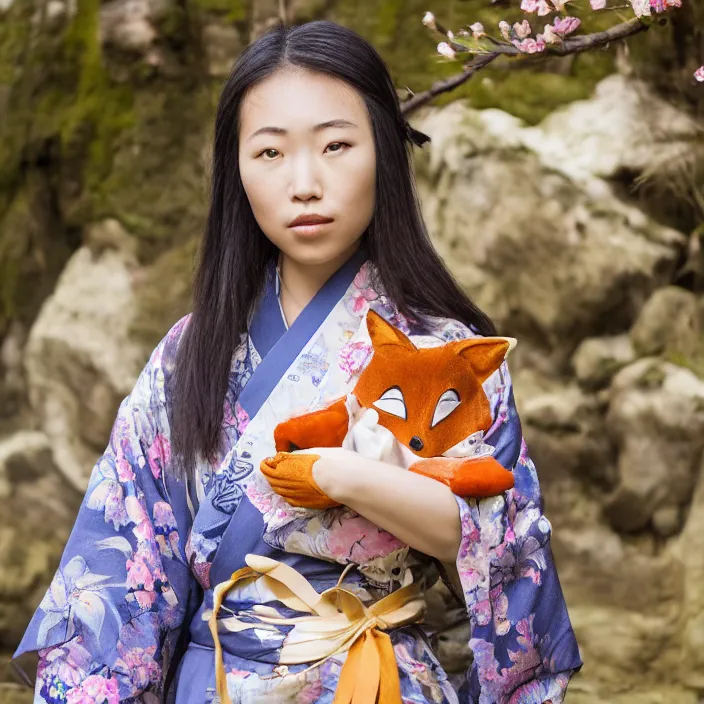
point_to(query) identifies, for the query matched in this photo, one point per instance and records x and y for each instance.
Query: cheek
(358, 181)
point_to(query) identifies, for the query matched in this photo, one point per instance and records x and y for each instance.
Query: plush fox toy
(421, 408)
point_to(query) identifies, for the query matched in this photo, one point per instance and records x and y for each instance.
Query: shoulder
(164, 354)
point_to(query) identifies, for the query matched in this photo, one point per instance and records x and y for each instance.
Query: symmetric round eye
(392, 402)
(447, 403)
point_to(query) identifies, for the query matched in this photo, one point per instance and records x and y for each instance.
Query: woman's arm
(419, 511)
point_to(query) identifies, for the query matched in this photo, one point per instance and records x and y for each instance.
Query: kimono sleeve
(522, 641)
(114, 608)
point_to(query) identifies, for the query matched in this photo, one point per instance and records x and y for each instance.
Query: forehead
(297, 99)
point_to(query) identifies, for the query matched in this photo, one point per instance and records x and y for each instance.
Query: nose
(305, 183)
(416, 443)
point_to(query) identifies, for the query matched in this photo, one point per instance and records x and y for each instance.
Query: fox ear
(381, 333)
(485, 354)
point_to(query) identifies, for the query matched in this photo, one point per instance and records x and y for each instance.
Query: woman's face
(291, 166)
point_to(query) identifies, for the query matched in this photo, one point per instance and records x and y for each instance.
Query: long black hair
(234, 251)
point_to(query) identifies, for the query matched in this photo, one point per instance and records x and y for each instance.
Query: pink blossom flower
(597, 4)
(641, 7)
(505, 29)
(477, 30)
(522, 29)
(429, 20)
(549, 35)
(529, 6)
(699, 74)
(444, 49)
(560, 4)
(529, 45)
(565, 25)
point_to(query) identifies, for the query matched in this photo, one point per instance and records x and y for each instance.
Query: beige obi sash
(339, 622)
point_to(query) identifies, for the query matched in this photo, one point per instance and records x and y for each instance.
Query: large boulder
(81, 359)
(669, 323)
(656, 417)
(578, 263)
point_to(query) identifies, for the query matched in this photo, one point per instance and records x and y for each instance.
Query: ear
(485, 354)
(381, 333)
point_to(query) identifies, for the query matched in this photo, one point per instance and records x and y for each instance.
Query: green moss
(233, 10)
(101, 109)
(12, 249)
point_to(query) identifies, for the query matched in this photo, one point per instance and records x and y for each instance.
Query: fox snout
(416, 443)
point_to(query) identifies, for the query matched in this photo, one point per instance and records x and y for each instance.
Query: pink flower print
(115, 511)
(310, 693)
(353, 356)
(357, 539)
(164, 516)
(95, 689)
(125, 472)
(140, 663)
(242, 418)
(145, 599)
(482, 612)
(138, 574)
(159, 454)
(363, 279)
(69, 662)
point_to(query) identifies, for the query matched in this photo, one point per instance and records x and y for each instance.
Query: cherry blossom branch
(517, 40)
(446, 84)
(573, 45)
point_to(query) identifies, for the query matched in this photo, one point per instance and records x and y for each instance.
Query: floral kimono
(128, 614)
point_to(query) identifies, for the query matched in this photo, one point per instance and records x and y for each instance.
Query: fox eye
(447, 403)
(392, 402)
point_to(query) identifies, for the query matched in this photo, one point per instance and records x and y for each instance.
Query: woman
(161, 585)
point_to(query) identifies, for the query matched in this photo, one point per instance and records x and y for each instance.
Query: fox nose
(416, 443)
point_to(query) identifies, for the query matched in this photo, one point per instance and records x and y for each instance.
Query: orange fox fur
(430, 399)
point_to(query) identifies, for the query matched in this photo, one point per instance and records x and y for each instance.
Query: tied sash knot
(338, 622)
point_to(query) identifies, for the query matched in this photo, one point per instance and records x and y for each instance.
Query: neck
(300, 282)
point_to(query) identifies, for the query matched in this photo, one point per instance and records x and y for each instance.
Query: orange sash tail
(339, 622)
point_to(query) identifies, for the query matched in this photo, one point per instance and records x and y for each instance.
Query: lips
(312, 219)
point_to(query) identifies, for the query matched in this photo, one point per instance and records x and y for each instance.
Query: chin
(317, 253)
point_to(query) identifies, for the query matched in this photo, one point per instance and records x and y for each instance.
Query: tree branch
(572, 45)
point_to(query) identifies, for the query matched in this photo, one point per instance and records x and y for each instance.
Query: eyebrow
(316, 128)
